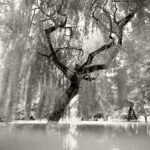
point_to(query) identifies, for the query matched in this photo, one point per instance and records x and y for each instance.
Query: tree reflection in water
(107, 136)
(125, 136)
(70, 139)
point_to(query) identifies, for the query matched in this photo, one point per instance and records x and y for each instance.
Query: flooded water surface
(133, 136)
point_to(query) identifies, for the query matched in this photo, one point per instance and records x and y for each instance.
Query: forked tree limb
(125, 20)
(120, 24)
(96, 52)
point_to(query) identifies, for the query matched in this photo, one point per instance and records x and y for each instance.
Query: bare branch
(106, 13)
(67, 72)
(114, 16)
(110, 23)
(57, 50)
(105, 3)
(121, 24)
(98, 21)
(125, 20)
(118, 32)
(93, 68)
(93, 54)
(92, 5)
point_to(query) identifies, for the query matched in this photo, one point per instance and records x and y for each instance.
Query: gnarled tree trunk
(62, 102)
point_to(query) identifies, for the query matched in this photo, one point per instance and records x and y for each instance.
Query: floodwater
(120, 136)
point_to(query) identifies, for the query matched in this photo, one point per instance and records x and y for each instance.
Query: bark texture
(62, 102)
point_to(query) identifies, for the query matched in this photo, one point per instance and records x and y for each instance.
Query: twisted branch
(120, 25)
(67, 72)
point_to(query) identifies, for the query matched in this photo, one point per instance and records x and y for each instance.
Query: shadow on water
(133, 136)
